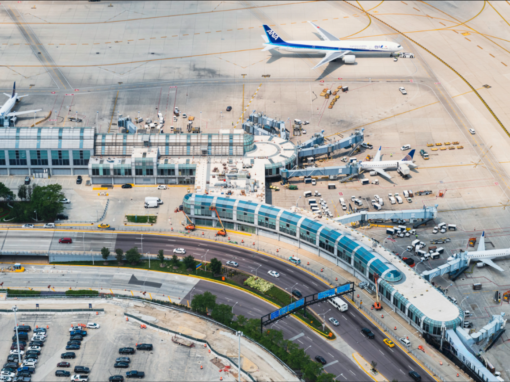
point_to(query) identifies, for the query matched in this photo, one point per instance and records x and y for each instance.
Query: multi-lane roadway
(393, 363)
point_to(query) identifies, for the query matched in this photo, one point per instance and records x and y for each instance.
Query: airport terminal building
(412, 297)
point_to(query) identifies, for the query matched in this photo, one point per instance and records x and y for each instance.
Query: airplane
(5, 110)
(379, 166)
(485, 256)
(332, 47)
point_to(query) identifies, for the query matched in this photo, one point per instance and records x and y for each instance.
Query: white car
(180, 250)
(434, 231)
(303, 131)
(93, 325)
(27, 226)
(39, 337)
(232, 263)
(79, 378)
(30, 362)
(405, 341)
(49, 225)
(273, 273)
(162, 187)
(15, 351)
(402, 90)
(334, 321)
(184, 115)
(7, 377)
(75, 328)
(34, 348)
(405, 147)
(66, 201)
(472, 131)
(390, 195)
(306, 123)
(314, 182)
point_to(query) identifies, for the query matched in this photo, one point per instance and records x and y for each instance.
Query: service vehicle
(402, 90)
(338, 303)
(273, 273)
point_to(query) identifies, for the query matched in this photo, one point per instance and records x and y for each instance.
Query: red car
(63, 364)
(65, 240)
(15, 347)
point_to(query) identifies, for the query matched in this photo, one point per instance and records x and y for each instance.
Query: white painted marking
(331, 363)
(298, 336)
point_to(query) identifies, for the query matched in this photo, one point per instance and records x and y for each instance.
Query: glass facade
(38, 157)
(247, 216)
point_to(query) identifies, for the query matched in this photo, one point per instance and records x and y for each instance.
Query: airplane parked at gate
(5, 110)
(379, 166)
(332, 47)
(484, 256)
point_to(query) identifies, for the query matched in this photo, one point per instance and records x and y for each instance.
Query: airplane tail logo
(14, 89)
(272, 36)
(409, 156)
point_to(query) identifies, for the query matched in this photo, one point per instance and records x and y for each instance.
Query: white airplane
(379, 166)
(485, 256)
(332, 47)
(5, 110)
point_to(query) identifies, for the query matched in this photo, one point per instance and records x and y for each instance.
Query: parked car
(79, 179)
(144, 347)
(62, 217)
(135, 374)
(126, 350)
(40, 330)
(81, 369)
(93, 325)
(229, 108)
(116, 378)
(15, 351)
(27, 180)
(127, 185)
(74, 342)
(402, 90)
(121, 365)
(78, 332)
(63, 364)
(76, 338)
(65, 201)
(320, 359)
(35, 343)
(73, 347)
(62, 373)
(79, 378)
(68, 354)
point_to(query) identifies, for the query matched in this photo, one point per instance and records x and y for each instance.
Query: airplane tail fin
(272, 36)
(14, 89)
(409, 156)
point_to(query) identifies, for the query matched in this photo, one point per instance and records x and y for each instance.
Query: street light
(239, 334)
(15, 309)
(257, 270)
(291, 292)
(234, 306)
(149, 256)
(297, 201)
(324, 319)
(205, 257)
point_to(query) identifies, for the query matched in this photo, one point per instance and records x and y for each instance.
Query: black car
(24, 373)
(122, 365)
(81, 369)
(127, 185)
(79, 179)
(297, 293)
(126, 351)
(116, 378)
(23, 328)
(76, 338)
(63, 364)
(320, 359)
(367, 333)
(15, 347)
(38, 352)
(123, 359)
(62, 217)
(68, 354)
(229, 108)
(74, 342)
(74, 119)
(30, 369)
(73, 347)
(144, 347)
(32, 355)
(11, 365)
(12, 358)
(62, 373)
(24, 343)
(27, 180)
(415, 376)
(22, 379)
(35, 343)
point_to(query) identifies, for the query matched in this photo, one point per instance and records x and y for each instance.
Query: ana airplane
(379, 166)
(485, 256)
(5, 110)
(332, 47)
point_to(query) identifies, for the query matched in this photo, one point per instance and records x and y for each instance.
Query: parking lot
(100, 348)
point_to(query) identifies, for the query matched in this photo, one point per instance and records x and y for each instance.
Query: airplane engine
(349, 59)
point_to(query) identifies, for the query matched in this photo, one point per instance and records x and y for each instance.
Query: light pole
(239, 334)
(15, 309)
(91, 255)
(324, 319)
(234, 306)
(205, 259)
(35, 211)
(257, 270)
(291, 292)
(297, 201)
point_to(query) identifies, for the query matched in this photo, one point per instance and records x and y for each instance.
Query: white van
(153, 199)
(399, 199)
(440, 250)
(415, 242)
(151, 204)
(339, 304)
(452, 227)
(307, 194)
(312, 201)
(377, 206)
(392, 200)
(162, 187)
(344, 206)
(331, 186)
(405, 147)
(435, 256)
(406, 193)
(364, 182)
(342, 200)
(441, 225)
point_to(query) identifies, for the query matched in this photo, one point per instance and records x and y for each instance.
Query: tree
(175, 260)
(6, 192)
(215, 266)
(105, 252)
(189, 262)
(326, 377)
(223, 313)
(311, 370)
(203, 302)
(22, 192)
(161, 257)
(47, 201)
(133, 256)
(119, 255)
(241, 320)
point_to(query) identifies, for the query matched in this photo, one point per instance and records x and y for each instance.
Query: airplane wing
(8, 95)
(381, 172)
(377, 156)
(481, 244)
(491, 263)
(16, 113)
(330, 56)
(325, 35)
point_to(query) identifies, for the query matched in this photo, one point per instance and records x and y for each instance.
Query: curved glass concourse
(334, 244)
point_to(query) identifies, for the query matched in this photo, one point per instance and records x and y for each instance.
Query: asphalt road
(393, 363)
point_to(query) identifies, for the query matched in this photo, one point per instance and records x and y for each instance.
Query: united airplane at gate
(332, 47)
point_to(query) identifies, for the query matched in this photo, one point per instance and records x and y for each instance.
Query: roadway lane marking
(410, 367)
(298, 336)
(381, 352)
(352, 372)
(402, 371)
(331, 363)
(331, 355)
(300, 342)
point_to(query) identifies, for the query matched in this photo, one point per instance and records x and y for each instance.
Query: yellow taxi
(389, 342)
(103, 225)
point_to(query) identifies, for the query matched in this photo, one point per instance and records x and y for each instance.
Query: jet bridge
(365, 216)
(351, 169)
(451, 266)
(315, 146)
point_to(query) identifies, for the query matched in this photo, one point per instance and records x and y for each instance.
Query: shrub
(258, 284)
